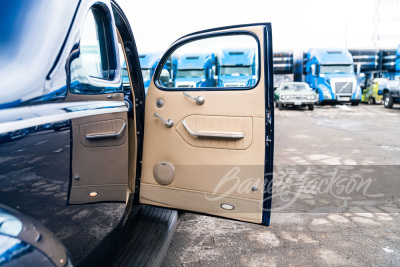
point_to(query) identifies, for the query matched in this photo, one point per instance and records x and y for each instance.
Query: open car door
(208, 139)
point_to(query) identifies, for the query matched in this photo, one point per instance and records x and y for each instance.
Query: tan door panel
(244, 209)
(99, 166)
(218, 126)
(210, 172)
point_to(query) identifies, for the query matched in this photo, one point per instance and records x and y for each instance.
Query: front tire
(276, 104)
(311, 107)
(280, 106)
(388, 101)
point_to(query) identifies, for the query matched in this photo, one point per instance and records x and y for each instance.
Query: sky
(296, 24)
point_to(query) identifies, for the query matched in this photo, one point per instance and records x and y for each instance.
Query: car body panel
(36, 170)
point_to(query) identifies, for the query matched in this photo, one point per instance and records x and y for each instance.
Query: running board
(143, 240)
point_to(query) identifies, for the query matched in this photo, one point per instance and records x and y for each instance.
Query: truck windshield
(336, 69)
(190, 73)
(146, 73)
(236, 71)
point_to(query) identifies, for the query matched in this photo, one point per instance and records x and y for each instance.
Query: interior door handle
(106, 134)
(217, 134)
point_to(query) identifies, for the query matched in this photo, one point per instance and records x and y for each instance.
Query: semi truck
(236, 67)
(195, 70)
(148, 64)
(330, 72)
(283, 68)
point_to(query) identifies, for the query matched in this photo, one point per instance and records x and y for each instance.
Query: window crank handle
(199, 100)
(169, 123)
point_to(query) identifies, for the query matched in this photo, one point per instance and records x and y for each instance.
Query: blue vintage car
(97, 181)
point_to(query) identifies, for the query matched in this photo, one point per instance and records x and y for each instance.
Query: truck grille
(185, 85)
(344, 87)
(297, 97)
(234, 85)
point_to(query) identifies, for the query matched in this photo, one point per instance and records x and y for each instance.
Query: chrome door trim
(106, 135)
(232, 135)
(30, 116)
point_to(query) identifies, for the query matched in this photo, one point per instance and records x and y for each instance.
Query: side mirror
(214, 73)
(313, 71)
(164, 76)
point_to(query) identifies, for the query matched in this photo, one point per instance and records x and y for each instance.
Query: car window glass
(228, 61)
(95, 64)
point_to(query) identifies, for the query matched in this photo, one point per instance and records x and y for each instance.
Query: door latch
(267, 141)
(169, 123)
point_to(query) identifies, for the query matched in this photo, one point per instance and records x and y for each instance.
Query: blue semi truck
(148, 64)
(194, 70)
(236, 67)
(330, 72)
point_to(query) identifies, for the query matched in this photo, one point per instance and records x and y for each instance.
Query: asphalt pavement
(336, 197)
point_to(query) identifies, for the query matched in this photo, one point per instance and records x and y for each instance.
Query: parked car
(97, 190)
(13, 135)
(295, 94)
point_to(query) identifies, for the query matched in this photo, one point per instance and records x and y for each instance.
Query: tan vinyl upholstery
(202, 165)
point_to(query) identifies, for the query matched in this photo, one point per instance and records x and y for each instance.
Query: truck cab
(236, 67)
(195, 70)
(330, 72)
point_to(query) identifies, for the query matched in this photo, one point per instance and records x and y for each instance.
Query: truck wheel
(355, 103)
(276, 104)
(311, 107)
(388, 101)
(280, 106)
(371, 101)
